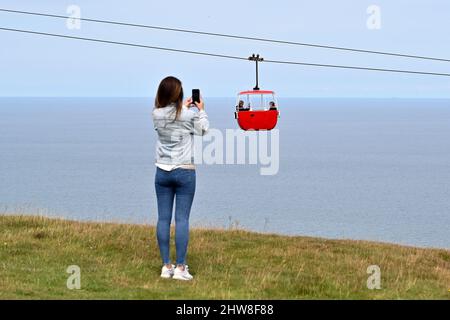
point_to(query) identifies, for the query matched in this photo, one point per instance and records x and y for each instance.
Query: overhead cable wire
(232, 36)
(223, 56)
(124, 43)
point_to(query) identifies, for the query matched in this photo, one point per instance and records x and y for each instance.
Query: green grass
(122, 262)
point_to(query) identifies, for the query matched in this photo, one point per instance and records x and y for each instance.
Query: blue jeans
(178, 184)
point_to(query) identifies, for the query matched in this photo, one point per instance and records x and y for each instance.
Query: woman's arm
(201, 122)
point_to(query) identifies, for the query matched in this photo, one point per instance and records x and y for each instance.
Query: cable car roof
(256, 92)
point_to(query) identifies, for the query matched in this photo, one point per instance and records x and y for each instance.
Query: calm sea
(349, 168)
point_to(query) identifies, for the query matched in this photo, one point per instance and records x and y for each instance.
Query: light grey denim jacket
(175, 143)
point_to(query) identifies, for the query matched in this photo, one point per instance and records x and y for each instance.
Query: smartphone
(195, 95)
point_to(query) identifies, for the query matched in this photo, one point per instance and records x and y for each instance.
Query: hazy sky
(38, 66)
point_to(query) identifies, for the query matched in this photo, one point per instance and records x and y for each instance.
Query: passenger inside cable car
(272, 105)
(241, 107)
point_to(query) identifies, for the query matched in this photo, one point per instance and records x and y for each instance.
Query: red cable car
(257, 109)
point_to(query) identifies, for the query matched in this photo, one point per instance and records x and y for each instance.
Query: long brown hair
(170, 91)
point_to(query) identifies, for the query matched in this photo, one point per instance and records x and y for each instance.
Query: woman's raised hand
(200, 105)
(188, 102)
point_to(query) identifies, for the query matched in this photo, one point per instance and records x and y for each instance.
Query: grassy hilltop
(120, 261)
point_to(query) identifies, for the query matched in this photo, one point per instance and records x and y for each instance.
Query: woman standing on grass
(175, 124)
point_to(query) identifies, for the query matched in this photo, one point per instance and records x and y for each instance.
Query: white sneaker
(182, 274)
(166, 272)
